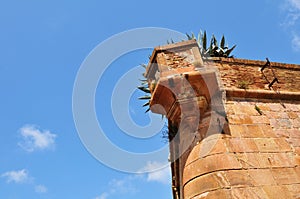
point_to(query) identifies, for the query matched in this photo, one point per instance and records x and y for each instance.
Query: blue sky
(42, 46)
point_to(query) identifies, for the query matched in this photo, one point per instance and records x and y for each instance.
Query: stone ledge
(261, 94)
(251, 62)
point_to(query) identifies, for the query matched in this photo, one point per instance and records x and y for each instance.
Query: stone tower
(234, 124)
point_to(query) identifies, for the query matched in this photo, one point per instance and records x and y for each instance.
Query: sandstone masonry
(234, 124)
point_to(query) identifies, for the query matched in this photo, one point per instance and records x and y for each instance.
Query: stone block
(294, 133)
(296, 123)
(248, 160)
(281, 133)
(236, 130)
(246, 109)
(268, 131)
(266, 145)
(295, 142)
(202, 184)
(276, 107)
(292, 115)
(238, 178)
(249, 192)
(252, 131)
(277, 160)
(239, 119)
(294, 190)
(285, 176)
(261, 177)
(260, 119)
(218, 162)
(274, 191)
(216, 194)
(283, 144)
(240, 145)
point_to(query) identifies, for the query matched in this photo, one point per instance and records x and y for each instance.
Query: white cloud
(291, 9)
(102, 196)
(40, 189)
(296, 42)
(162, 175)
(123, 186)
(120, 187)
(291, 19)
(295, 4)
(35, 139)
(291, 23)
(20, 176)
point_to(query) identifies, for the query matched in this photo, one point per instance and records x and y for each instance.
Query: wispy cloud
(22, 177)
(291, 10)
(19, 176)
(162, 175)
(291, 22)
(290, 19)
(295, 4)
(120, 187)
(296, 42)
(40, 189)
(35, 139)
(102, 196)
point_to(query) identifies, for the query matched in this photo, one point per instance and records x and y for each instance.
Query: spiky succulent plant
(145, 88)
(213, 50)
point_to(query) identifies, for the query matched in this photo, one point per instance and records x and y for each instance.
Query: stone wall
(236, 73)
(259, 158)
(247, 144)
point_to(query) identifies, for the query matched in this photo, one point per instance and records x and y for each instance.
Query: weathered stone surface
(258, 156)
(261, 177)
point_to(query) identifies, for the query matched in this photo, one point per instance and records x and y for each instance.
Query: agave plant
(214, 50)
(145, 88)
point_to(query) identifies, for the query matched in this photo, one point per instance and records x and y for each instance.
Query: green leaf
(193, 36)
(145, 89)
(215, 48)
(214, 40)
(189, 37)
(221, 52)
(146, 104)
(227, 53)
(199, 39)
(204, 41)
(222, 44)
(144, 82)
(146, 97)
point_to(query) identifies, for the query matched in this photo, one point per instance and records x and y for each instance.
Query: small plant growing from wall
(243, 84)
(145, 88)
(258, 109)
(213, 50)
